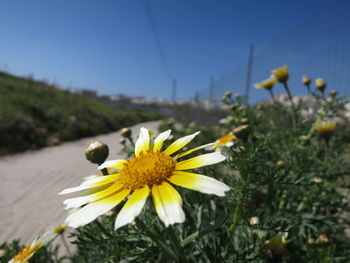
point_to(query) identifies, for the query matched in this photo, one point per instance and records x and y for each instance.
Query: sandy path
(30, 181)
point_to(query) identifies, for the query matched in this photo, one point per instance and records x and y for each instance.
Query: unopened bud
(311, 240)
(254, 220)
(97, 152)
(280, 163)
(325, 128)
(122, 141)
(323, 238)
(320, 84)
(333, 93)
(244, 120)
(317, 180)
(241, 132)
(2, 252)
(125, 132)
(306, 80)
(276, 245)
(227, 94)
(242, 108)
(59, 229)
(233, 106)
(303, 137)
(281, 74)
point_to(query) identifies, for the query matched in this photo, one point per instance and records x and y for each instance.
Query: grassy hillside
(34, 114)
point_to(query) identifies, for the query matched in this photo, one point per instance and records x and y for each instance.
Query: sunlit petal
(199, 183)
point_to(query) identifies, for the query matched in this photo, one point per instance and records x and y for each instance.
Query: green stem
(236, 213)
(189, 239)
(308, 89)
(326, 151)
(292, 104)
(272, 94)
(104, 170)
(131, 141)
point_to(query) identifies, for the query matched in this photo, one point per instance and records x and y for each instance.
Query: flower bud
(59, 229)
(303, 137)
(227, 94)
(241, 132)
(311, 241)
(323, 238)
(125, 132)
(306, 80)
(2, 252)
(233, 106)
(320, 84)
(254, 220)
(276, 245)
(241, 108)
(325, 128)
(280, 163)
(317, 180)
(122, 141)
(244, 120)
(281, 74)
(97, 152)
(333, 93)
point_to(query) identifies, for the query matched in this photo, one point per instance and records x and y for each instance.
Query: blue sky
(108, 46)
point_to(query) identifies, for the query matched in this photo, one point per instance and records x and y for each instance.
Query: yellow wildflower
(281, 74)
(320, 84)
(306, 80)
(149, 172)
(226, 140)
(325, 128)
(266, 84)
(28, 251)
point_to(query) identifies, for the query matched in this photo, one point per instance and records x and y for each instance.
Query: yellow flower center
(22, 255)
(148, 169)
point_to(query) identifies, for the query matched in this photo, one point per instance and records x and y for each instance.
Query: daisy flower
(266, 84)
(149, 172)
(225, 141)
(325, 128)
(281, 74)
(28, 251)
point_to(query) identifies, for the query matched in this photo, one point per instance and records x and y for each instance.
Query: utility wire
(153, 25)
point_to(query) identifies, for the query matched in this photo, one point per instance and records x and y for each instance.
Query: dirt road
(30, 181)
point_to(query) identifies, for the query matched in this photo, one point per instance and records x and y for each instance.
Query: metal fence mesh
(317, 47)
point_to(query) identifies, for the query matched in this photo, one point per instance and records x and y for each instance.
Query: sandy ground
(30, 181)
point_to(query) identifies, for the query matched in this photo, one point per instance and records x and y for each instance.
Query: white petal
(179, 143)
(82, 200)
(91, 211)
(168, 202)
(195, 149)
(98, 181)
(200, 161)
(132, 207)
(117, 164)
(142, 142)
(198, 182)
(101, 180)
(158, 142)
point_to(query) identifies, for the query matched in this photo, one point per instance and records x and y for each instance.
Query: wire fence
(318, 47)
